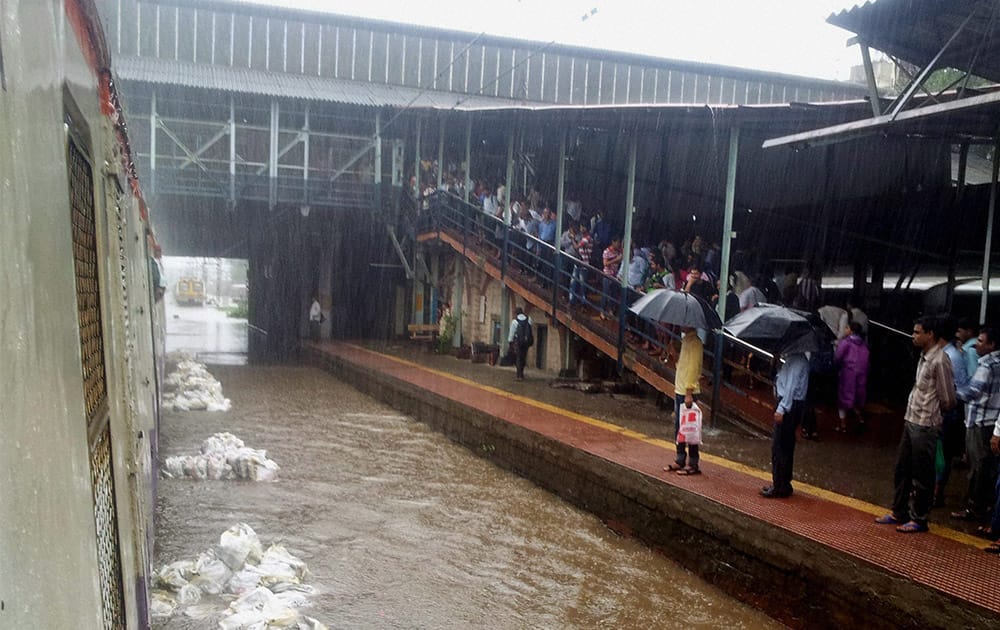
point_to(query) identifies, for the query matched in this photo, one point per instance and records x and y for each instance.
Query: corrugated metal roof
(246, 81)
(915, 30)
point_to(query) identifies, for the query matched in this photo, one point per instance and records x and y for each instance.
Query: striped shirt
(983, 392)
(933, 389)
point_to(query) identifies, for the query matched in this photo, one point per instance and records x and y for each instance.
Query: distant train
(190, 291)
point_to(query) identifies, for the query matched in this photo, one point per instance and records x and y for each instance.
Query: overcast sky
(789, 36)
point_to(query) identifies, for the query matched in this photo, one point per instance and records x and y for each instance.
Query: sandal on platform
(912, 527)
(888, 519)
(687, 472)
(994, 548)
(673, 468)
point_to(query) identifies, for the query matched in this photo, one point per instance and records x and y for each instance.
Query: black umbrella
(777, 328)
(676, 307)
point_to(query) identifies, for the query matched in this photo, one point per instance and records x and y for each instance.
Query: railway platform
(816, 559)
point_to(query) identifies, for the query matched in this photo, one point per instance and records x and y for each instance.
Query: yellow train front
(190, 292)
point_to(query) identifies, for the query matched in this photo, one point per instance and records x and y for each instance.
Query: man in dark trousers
(520, 339)
(791, 386)
(933, 392)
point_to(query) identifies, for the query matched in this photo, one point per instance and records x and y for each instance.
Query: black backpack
(524, 337)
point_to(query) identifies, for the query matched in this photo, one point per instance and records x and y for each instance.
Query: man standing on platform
(982, 393)
(791, 386)
(521, 338)
(933, 392)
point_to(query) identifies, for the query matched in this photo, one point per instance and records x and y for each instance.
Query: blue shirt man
(791, 386)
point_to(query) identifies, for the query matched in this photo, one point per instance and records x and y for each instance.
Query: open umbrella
(776, 328)
(676, 307)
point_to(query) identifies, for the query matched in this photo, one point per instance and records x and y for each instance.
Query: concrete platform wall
(797, 581)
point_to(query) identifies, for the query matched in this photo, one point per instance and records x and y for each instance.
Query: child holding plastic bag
(687, 415)
(689, 437)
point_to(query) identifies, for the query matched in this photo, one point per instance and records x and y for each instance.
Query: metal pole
(456, 302)
(468, 159)
(560, 193)
(963, 162)
(232, 150)
(505, 301)
(440, 151)
(272, 160)
(727, 236)
(989, 234)
(378, 148)
(305, 158)
(416, 189)
(866, 60)
(626, 244)
(153, 125)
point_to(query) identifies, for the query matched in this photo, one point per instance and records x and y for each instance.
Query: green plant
(446, 333)
(240, 311)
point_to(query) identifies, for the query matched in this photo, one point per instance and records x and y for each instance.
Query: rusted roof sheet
(915, 30)
(277, 84)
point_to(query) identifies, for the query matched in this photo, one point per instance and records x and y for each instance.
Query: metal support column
(416, 188)
(989, 234)
(963, 163)
(457, 298)
(377, 197)
(727, 237)
(305, 158)
(505, 302)
(866, 60)
(626, 245)
(154, 123)
(440, 169)
(272, 158)
(232, 151)
(560, 203)
(468, 159)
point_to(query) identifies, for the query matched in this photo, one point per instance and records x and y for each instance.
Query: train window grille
(88, 300)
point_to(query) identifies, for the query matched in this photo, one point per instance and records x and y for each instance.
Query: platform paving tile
(944, 559)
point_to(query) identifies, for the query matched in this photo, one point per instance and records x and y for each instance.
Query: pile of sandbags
(267, 585)
(223, 456)
(191, 387)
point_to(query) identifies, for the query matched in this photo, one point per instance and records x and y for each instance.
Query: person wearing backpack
(521, 338)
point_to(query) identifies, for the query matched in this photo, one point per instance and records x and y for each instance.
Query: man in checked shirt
(933, 392)
(982, 394)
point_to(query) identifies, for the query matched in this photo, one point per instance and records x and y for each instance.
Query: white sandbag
(161, 604)
(308, 623)
(263, 601)
(277, 561)
(188, 595)
(239, 544)
(246, 620)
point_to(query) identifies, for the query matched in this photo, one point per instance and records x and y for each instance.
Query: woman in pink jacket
(852, 387)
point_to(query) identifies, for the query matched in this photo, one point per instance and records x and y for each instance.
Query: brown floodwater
(403, 529)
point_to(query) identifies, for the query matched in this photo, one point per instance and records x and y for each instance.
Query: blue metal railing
(575, 286)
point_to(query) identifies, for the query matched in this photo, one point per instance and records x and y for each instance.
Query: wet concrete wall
(796, 580)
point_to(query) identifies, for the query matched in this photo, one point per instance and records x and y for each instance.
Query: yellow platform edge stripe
(821, 493)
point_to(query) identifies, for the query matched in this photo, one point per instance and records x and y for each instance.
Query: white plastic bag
(689, 427)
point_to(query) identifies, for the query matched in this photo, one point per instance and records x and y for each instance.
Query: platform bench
(423, 332)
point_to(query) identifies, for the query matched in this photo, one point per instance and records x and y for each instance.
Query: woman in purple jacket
(852, 387)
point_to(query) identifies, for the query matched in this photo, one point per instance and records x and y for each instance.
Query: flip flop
(687, 472)
(912, 527)
(888, 519)
(985, 531)
(672, 468)
(994, 548)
